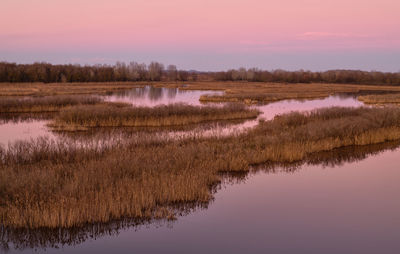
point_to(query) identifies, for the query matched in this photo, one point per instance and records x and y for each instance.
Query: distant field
(45, 89)
(381, 99)
(252, 92)
(248, 92)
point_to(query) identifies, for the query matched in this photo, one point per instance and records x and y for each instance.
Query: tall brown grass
(51, 89)
(57, 184)
(44, 104)
(124, 115)
(393, 98)
(23, 238)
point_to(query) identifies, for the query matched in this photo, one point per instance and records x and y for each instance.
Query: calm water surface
(152, 96)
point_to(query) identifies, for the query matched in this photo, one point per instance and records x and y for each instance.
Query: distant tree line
(133, 71)
(49, 73)
(301, 76)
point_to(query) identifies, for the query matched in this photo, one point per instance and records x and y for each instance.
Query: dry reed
(50, 184)
(42, 238)
(44, 104)
(50, 89)
(124, 115)
(393, 98)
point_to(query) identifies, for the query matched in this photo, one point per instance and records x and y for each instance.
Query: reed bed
(44, 104)
(123, 115)
(393, 98)
(22, 238)
(50, 89)
(59, 184)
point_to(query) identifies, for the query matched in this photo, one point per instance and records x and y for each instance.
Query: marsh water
(25, 129)
(342, 201)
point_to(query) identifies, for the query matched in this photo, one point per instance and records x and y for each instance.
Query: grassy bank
(49, 184)
(44, 104)
(48, 89)
(124, 115)
(249, 92)
(381, 99)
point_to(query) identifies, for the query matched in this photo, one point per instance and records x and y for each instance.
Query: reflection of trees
(150, 92)
(171, 92)
(155, 93)
(46, 238)
(135, 93)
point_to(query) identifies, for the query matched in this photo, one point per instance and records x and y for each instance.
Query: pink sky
(100, 30)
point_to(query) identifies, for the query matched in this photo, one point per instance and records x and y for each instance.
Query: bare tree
(172, 72)
(155, 71)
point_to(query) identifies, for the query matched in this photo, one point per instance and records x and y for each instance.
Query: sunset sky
(205, 34)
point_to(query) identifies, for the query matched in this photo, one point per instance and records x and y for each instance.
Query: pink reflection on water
(271, 110)
(150, 96)
(153, 96)
(282, 107)
(24, 130)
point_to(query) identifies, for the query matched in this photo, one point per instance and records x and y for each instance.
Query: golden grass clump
(52, 184)
(50, 89)
(390, 98)
(44, 104)
(28, 238)
(124, 115)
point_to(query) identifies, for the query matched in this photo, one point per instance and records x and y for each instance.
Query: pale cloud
(324, 35)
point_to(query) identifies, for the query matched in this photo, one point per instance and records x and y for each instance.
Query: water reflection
(26, 126)
(153, 96)
(47, 238)
(26, 129)
(333, 158)
(269, 111)
(28, 239)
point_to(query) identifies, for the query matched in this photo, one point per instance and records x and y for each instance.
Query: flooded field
(25, 129)
(340, 201)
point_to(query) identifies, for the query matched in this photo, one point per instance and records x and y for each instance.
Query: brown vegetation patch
(124, 115)
(44, 104)
(59, 184)
(22, 238)
(393, 98)
(47, 89)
